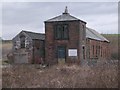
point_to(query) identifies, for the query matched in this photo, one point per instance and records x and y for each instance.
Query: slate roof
(34, 35)
(64, 17)
(90, 33)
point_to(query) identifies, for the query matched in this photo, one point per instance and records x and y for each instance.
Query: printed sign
(72, 52)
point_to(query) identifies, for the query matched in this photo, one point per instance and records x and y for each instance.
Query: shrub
(114, 56)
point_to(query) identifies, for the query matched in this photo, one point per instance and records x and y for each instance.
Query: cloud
(16, 16)
(60, 0)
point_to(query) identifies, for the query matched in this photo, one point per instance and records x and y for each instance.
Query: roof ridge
(53, 17)
(32, 32)
(96, 34)
(63, 17)
(100, 35)
(74, 17)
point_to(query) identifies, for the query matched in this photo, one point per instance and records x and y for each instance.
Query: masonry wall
(72, 43)
(97, 50)
(22, 55)
(33, 52)
(38, 51)
(82, 42)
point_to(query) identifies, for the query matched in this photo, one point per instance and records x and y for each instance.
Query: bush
(103, 75)
(114, 56)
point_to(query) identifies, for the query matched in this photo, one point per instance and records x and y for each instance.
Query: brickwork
(75, 35)
(97, 49)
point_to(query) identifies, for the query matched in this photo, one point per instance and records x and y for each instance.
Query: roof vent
(66, 10)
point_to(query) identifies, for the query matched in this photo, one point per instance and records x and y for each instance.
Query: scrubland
(103, 74)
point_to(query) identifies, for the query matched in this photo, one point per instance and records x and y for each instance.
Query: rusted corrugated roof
(90, 33)
(35, 35)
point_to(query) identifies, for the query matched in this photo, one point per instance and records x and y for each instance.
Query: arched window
(22, 41)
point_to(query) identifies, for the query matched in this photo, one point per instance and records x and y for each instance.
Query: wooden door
(61, 54)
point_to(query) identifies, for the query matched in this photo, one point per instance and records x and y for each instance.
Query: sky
(30, 16)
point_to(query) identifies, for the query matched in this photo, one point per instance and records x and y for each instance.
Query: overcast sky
(30, 16)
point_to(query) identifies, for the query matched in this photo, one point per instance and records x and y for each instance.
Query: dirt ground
(102, 75)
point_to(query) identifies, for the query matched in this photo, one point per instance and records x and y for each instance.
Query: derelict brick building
(66, 40)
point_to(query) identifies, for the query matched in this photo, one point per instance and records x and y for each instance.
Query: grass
(61, 76)
(6, 48)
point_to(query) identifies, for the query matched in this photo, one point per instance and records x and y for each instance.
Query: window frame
(93, 48)
(22, 41)
(61, 32)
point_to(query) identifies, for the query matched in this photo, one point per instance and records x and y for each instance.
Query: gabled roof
(34, 35)
(64, 17)
(90, 33)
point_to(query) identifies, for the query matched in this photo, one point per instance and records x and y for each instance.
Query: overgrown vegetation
(6, 49)
(113, 38)
(61, 76)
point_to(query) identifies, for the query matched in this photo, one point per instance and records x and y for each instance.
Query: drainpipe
(33, 54)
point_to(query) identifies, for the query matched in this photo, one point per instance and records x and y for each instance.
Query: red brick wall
(102, 53)
(74, 42)
(101, 49)
(38, 55)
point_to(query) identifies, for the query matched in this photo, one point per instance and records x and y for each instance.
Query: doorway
(61, 54)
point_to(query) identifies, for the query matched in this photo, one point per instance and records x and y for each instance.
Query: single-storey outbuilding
(28, 47)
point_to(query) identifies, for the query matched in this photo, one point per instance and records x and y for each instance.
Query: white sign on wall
(72, 52)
